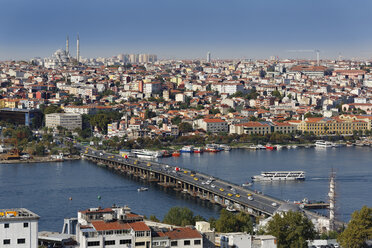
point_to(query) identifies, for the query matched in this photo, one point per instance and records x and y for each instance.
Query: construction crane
(308, 51)
(12, 153)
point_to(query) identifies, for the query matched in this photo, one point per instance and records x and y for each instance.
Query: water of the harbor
(45, 188)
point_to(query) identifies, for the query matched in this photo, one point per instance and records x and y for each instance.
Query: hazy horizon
(187, 29)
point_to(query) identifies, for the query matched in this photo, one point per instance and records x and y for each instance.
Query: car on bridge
(237, 195)
(229, 194)
(222, 190)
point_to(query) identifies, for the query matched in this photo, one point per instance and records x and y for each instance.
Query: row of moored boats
(214, 148)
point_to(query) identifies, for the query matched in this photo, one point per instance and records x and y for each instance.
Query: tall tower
(77, 49)
(317, 57)
(208, 57)
(332, 201)
(67, 48)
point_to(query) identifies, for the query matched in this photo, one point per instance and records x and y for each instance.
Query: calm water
(45, 188)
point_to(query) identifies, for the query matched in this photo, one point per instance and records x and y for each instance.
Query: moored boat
(231, 209)
(198, 150)
(212, 148)
(270, 147)
(187, 149)
(142, 153)
(225, 147)
(323, 144)
(176, 154)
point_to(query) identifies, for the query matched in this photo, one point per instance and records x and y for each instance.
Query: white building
(18, 228)
(151, 87)
(66, 120)
(214, 125)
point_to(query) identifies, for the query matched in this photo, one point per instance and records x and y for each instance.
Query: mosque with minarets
(60, 57)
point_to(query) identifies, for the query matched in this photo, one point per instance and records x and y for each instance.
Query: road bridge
(192, 182)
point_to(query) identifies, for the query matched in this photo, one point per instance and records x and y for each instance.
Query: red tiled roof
(183, 233)
(139, 226)
(101, 225)
(213, 120)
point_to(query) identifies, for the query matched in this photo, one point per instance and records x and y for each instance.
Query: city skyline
(187, 30)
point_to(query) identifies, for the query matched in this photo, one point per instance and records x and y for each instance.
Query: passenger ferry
(323, 144)
(142, 153)
(280, 176)
(187, 149)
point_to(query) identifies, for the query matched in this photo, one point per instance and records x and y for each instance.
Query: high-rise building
(208, 57)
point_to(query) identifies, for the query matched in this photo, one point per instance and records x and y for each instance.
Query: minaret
(332, 201)
(77, 49)
(67, 48)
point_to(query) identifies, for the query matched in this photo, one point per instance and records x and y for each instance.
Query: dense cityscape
(157, 124)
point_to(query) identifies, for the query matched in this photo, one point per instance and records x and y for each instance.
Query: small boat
(212, 148)
(253, 147)
(279, 147)
(142, 189)
(246, 184)
(261, 147)
(270, 147)
(198, 150)
(323, 144)
(176, 154)
(349, 144)
(187, 149)
(231, 209)
(294, 147)
(224, 147)
(166, 154)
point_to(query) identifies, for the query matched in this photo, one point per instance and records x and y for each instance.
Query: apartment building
(334, 125)
(66, 120)
(18, 228)
(214, 125)
(252, 127)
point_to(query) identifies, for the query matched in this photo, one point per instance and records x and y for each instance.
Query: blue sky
(187, 29)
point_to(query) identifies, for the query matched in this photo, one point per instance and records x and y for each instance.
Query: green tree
(291, 229)
(52, 109)
(153, 218)
(176, 120)
(185, 127)
(229, 222)
(358, 230)
(179, 216)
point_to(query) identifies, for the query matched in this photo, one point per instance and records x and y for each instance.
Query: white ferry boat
(142, 153)
(323, 144)
(280, 176)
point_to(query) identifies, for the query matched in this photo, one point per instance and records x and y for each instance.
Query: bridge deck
(232, 194)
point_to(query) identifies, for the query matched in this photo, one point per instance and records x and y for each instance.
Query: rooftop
(16, 214)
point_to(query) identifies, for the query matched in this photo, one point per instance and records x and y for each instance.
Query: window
(25, 224)
(6, 225)
(186, 242)
(174, 243)
(197, 242)
(140, 244)
(125, 241)
(21, 241)
(6, 241)
(110, 242)
(93, 243)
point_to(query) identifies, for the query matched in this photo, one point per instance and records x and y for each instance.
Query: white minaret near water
(332, 201)
(77, 49)
(67, 48)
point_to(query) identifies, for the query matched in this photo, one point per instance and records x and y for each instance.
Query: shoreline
(40, 160)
